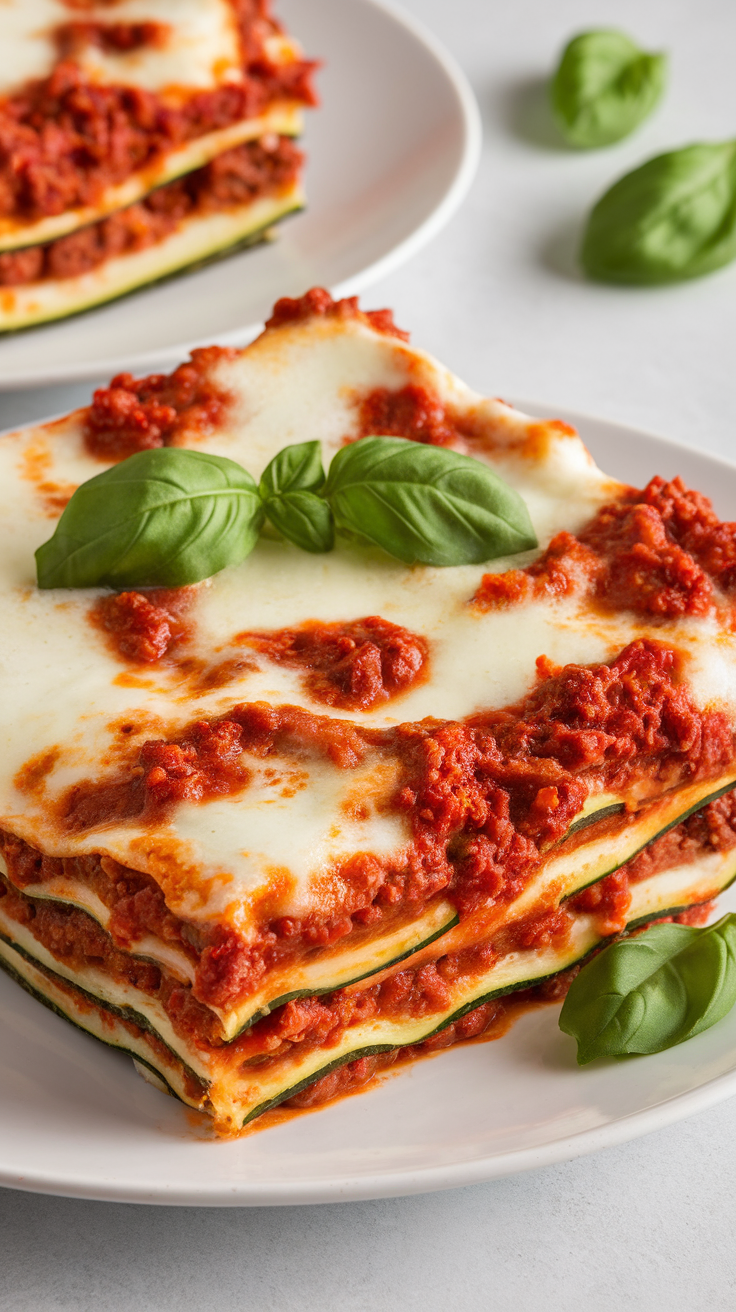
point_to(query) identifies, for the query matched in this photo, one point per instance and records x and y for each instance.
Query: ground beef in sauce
(414, 991)
(137, 414)
(63, 139)
(234, 178)
(356, 665)
(658, 552)
(143, 627)
(318, 303)
(483, 797)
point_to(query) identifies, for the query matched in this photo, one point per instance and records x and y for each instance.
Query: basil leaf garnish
(425, 503)
(294, 468)
(651, 991)
(172, 516)
(288, 487)
(161, 518)
(604, 87)
(673, 218)
(303, 518)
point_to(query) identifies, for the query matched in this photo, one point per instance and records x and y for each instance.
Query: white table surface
(649, 1225)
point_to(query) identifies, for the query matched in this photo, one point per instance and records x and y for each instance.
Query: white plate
(75, 1119)
(391, 154)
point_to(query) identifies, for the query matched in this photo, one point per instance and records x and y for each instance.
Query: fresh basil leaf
(161, 518)
(288, 487)
(294, 468)
(425, 503)
(673, 218)
(604, 87)
(304, 519)
(651, 991)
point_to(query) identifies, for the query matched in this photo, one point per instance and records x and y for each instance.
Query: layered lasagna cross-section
(137, 139)
(273, 831)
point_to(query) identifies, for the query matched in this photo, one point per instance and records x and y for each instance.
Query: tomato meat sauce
(143, 627)
(662, 553)
(317, 303)
(356, 665)
(165, 409)
(64, 139)
(484, 798)
(234, 178)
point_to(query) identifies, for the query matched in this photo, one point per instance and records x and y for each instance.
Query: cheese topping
(197, 44)
(66, 693)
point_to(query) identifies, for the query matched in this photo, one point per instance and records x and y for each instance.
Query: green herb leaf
(288, 487)
(161, 518)
(304, 518)
(604, 87)
(673, 218)
(425, 503)
(294, 468)
(651, 991)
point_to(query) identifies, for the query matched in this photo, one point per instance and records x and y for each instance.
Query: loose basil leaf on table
(672, 218)
(161, 518)
(425, 503)
(288, 486)
(604, 87)
(653, 990)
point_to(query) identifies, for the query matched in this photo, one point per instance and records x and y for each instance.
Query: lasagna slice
(136, 141)
(271, 832)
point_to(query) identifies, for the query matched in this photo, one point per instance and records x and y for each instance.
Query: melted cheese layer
(66, 693)
(199, 46)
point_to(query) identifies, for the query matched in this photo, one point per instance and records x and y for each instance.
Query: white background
(650, 1225)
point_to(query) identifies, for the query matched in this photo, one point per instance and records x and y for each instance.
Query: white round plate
(391, 154)
(75, 1119)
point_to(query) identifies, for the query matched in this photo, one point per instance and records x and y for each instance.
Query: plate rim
(432, 1178)
(465, 170)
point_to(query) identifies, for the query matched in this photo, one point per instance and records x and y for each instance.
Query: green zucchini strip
(320, 974)
(284, 119)
(106, 1027)
(97, 986)
(197, 241)
(565, 872)
(254, 1090)
(688, 886)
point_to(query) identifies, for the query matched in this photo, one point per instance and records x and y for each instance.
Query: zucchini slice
(321, 974)
(248, 1092)
(104, 1025)
(651, 899)
(197, 241)
(284, 119)
(569, 869)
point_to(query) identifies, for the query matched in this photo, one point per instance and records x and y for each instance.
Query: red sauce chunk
(206, 761)
(63, 138)
(412, 412)
(318, 303)
(357, 665)
(136, 414)
(113, 38)
(142, 627)
(660, 553)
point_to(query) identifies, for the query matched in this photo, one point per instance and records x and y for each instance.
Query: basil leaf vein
(649, 992)
(161, 518)
(294, 468)
(304, 519)
(670, 219)
(289, 486)
(604, 87)
(425, 504)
